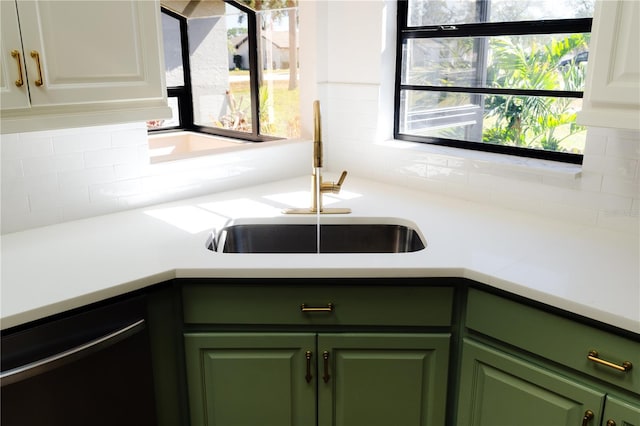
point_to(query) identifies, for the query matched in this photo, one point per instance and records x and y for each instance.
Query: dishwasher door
(89, 367)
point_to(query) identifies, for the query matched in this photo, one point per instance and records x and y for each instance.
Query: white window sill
(498, 162)
(174, 146)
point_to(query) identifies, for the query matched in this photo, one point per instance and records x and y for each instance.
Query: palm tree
(533, 121)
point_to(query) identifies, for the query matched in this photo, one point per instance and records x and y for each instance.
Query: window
(232, 70)
(503, 76)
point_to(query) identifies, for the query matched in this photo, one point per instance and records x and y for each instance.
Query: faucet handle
(343, 176)
(333, 187)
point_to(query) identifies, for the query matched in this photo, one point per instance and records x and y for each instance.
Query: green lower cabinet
(382, 379)
(246, 379)
(285, 379)
(497, 389)
(621, 413)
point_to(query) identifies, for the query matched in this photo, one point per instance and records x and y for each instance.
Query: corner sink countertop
(578, 268)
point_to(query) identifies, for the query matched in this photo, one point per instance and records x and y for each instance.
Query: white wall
(358, 99)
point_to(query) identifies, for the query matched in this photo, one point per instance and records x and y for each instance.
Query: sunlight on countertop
(215, 215)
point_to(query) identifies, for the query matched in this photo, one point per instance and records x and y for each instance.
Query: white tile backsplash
(84, 141)
(626, 187)
(37, 166)
(56, 176)
(87, 176)
(51, 177)
(14, 146)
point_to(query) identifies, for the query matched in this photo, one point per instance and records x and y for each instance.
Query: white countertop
(581, 269)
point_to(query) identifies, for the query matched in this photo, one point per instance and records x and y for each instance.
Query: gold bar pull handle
(593, 356)
(16, 54)
(305, 308)
(326, 377)
(588, 416)
(35, 55)
(308, 377)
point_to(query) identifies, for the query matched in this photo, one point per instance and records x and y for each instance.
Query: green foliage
(533, 121)
(236, 31)
(238, 116)
(267, 125)
(282, 120)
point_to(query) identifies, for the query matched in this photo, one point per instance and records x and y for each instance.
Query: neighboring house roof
(238, 40)
(279, 39)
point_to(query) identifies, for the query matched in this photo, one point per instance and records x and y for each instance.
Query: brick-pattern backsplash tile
(61, 175)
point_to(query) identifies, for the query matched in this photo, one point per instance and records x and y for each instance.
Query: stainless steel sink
(352, 236)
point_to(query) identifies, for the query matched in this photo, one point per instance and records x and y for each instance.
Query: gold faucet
(318, 187)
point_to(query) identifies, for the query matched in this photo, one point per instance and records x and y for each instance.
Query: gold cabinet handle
(16, 54)
(593, 356)
(305, 308)
(611, 423)
(35, 55)
(308, 376)
(326, 377)
(588, 416)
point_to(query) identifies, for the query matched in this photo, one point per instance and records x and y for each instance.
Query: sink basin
(344, 236)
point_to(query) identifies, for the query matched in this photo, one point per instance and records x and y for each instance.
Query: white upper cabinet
(612, 93)
(13, 83)
(82, 62)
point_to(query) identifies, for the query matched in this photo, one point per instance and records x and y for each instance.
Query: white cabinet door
(13, 84)
(612, 94)
(84, 63)
(91, 51)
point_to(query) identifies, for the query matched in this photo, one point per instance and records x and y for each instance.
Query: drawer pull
(326, 377)
(593, 356)
(611, 422)
(588, 416)
(308, 376)
(328, 308)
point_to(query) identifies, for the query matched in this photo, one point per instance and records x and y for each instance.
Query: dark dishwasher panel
(87, 368)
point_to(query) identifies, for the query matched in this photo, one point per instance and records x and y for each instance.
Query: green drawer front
(352, 305)
(556, 338)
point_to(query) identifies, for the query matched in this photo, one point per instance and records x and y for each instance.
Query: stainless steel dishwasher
(86, 367)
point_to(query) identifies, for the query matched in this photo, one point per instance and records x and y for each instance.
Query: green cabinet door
(621, 413)
(382, 379)
(497, 389)
(251, 379)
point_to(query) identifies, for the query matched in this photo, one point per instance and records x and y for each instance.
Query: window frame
(181, 93)
(405, 32)
(184, 94)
